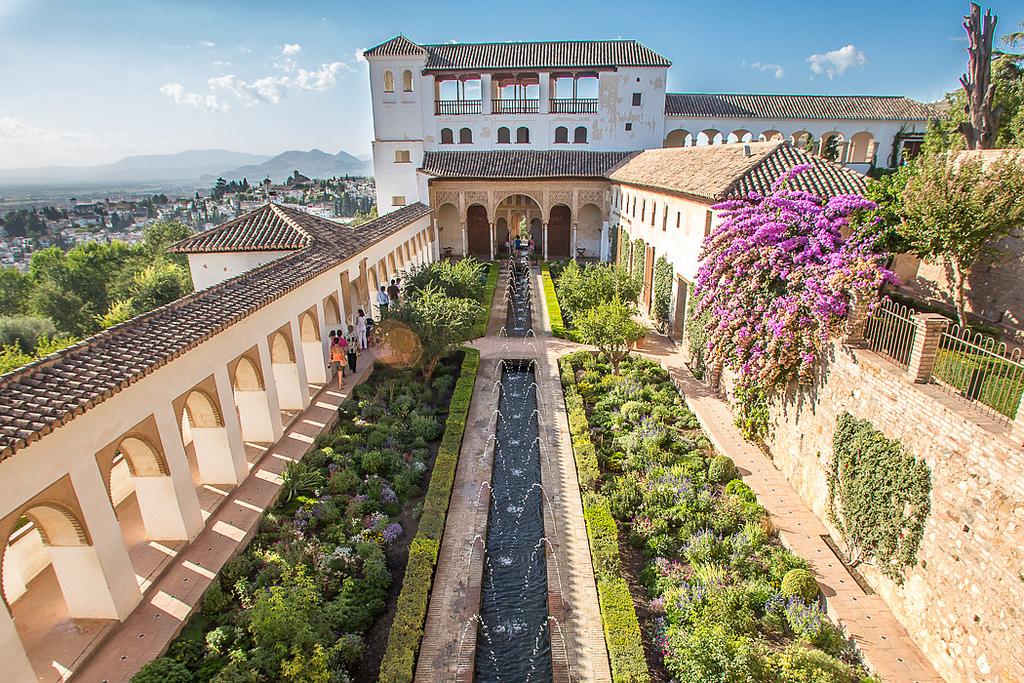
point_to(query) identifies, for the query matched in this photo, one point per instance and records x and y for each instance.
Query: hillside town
(26, 228)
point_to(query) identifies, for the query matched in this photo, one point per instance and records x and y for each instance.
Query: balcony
(457, 107)
(573, 105)
(515, 106)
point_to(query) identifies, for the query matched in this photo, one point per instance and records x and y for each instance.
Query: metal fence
(890, 331)
(980, 370)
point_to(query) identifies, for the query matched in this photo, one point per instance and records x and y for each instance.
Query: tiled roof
(551, 163)
(718, 172)
(399, 46)
(268, 228)
(575, 54)
(839, 107)
(45, 394)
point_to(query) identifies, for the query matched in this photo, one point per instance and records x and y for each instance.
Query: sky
(87, 82)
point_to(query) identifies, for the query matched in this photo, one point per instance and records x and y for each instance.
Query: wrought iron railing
(980, 370)
(890, 331)
(457, 107)
(515, 106)
(573, 105)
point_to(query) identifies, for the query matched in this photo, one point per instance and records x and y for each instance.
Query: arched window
(561, 134)
(407, 80)
(580, 134)
(465, 136)
(522, 135)
(447, 136)
(504, 135)
(389, 82)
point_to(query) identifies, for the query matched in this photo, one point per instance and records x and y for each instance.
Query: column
(314, 351)
(465, 239)
(485, 93)
(872, 151)
(545, 93)
(928, 333)
(232, 427)
(844, 151)
(572, 241)
(270, 388)
(188, 514)
(98, 580)
(544, 230)
(16, 662)
(300, 363)
(492, 236)
(605, 256)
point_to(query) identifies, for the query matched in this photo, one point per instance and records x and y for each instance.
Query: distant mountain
(189, 165)
(315, 164)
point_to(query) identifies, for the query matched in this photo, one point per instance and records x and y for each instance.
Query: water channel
(513, 642)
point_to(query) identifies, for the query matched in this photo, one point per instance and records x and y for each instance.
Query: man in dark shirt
(393, 292)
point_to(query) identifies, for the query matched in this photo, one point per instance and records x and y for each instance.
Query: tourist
(361, 329)
(338, 344)
(382, 301)
(352, 352)
(393, 293)
(370, 324)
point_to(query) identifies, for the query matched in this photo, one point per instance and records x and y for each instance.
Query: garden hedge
(480, 328)
(406, 631)
(618, 615)
(554, 310)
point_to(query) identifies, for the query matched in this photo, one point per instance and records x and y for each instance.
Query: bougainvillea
(778, 278)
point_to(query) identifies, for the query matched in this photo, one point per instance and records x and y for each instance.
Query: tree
(956, 208)
(14, 290)
(582, 287)
(462, 279)
(982, 124)
(158, 284)
(156, 237)
(429, 326)
(610, 327)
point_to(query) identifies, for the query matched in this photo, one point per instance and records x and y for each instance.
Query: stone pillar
(857, 320)
(844, 151)
(270, 388)
(16, 661)
(98, 580)
(605, 244)
(492, 236)
(465, 240)
(872, 151)
(928, 332)
(189, 512)
(572, 240)
(544, 231)
(545, 92)
(314, 351)
(232, 427)
(485, 94)
(300, 363)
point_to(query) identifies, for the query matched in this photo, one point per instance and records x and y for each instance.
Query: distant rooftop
(717, 172)
(506, 164)
(581, 54)
(269, 228)
(837, 107)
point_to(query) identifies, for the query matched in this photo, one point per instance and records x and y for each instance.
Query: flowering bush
(777, 279)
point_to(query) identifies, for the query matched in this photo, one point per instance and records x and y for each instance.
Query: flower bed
(554, 310)
(731, 603)
(297, 604)
(407, 627)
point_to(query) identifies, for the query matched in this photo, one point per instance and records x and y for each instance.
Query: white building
(597, 96)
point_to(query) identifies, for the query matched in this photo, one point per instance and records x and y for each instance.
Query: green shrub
(800, 583)
(722, 469)
(299, 478)
(737, 488)
(25, 330)
(554, 310)
(410, 612)
(801, 664)
(163, 670)
(215, 601)
(486, 298)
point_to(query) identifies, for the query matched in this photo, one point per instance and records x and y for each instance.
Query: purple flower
(392, 532)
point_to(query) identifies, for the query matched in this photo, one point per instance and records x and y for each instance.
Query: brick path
(886, 646)
(578, 648)
(174, 594)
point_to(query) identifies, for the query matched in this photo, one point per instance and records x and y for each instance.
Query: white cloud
(220, 63)
(207, 43)
(17, 130)
(322, 79)
(776, 69)
(291, 49)
(360, 57)
(269, 89)
(208, 102)
(836, 62)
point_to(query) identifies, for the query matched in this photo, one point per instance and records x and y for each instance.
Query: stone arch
(861, 148)
(281, 349)
(309, 330)
(588, 230)
(332, 312)
(247, 376)
(561, 135)
(678, 138)
(740, 135)
(449, 229)
(478, 231)
(57, 523)
(580, 135)
(772, 136)
(710, 136)
(559, 228)
(201, 410)
(465, 136)
(831, 145)
(144, 459)
(447, 136)
(802, 139)
(504, 135)
(389, 81)
(501, 232)
(407, 81)
(522, 135)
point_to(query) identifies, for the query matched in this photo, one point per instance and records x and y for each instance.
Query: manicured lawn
(997, 383)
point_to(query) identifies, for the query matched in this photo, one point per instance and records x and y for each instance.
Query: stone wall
(964, 601)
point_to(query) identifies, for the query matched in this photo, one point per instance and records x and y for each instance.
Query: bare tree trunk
(982, 123)
(959, 293)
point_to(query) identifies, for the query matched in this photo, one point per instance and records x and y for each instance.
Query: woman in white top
(361, 329)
